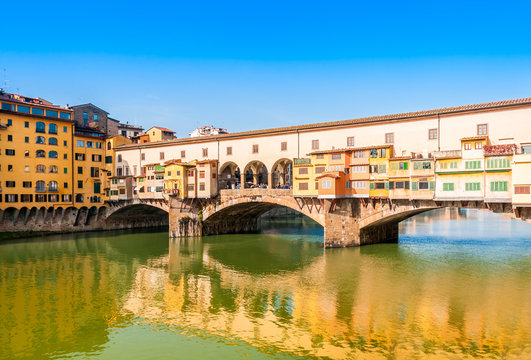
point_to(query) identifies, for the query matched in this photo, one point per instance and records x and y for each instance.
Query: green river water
(456, 286)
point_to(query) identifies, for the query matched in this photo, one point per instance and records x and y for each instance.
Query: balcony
(447, 154)
(507, 149)
(302, 161)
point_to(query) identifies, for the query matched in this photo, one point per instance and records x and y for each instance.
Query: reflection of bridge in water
(371, 311)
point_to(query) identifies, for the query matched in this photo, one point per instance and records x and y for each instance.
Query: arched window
(53, 169)
(52, 186)
(52, 141)
(41, 168)
(52, 129)
(40, 153)
(108, 146)
(52, 154)
(79, 198)
(40, 127)
(40, 140)
(40, 186)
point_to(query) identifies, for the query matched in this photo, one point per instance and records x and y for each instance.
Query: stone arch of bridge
(241, 214)
(255, 173)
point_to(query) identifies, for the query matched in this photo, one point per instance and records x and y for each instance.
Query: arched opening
(229, 176)
(282, 174)
(138, 216)
(249, 217)
(256, 175)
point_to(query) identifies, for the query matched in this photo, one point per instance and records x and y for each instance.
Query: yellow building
(422, 172)
(305, 174)
(157, 133)
(498, 174)
(35, 146)
(460, 174)
(89, 168)
(378, 166)
(399, 177)
(176, 177)
(521, 178)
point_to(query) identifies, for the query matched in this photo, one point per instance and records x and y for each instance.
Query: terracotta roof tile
(365, 120)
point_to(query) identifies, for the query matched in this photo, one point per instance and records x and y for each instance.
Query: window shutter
(415, 185)
(387, 185)
(372, 186)
(432, 185)
(406, 184)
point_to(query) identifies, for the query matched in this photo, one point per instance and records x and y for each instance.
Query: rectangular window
(8, 107)
(371, 186)
(319, 156)
(23, 109)
(336, 156)
(448, 186)
(80, 170)
(326, 184)
(319, 169)
(143, 156)
(119, 158)
(108, 159)
(183, 153)
(359, 168)
(315, 144)
(80, 184)
(96, 158)
(94, 172)
(347, 185)
(283, 146)
(255, 149)
(10, 152)
(389, 138)
(201, 174)
(9, 137)
(379, 186)
(359, 154)
(498, 186)
(161, 155)
(382, 169)
(478, 146)
(359, 184)
(475, 186)
(65, 129)
(80, 157)
(10, 184)
(26, 139)
(190, 187)
(80, 143)
(11, 198)
(51, 113)
(432, 134)
(468, 146)
(522, 190)
(26, 124)
(350, 141)
(229, 150)
(37, 111)
(201, 186)
(26, 184)
(65, 170)
(65, 143)
(303, 186)
(85, 116)
(205, 152)
(476, 164)
(64, 115)
(482, 130)
(26, 198)
(303, 171)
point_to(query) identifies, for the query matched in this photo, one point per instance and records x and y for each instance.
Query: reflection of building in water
(379, 307)
(58, 303)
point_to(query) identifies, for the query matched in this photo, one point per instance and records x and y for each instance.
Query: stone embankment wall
(25, 221)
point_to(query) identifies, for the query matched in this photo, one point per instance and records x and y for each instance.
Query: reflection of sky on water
(299, 229)
(465, 232)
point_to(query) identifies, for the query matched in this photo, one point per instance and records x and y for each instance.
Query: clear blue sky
(256, 64)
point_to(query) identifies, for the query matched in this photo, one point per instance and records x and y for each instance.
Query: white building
(208, 131)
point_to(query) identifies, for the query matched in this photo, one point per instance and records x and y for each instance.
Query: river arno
(451, 289)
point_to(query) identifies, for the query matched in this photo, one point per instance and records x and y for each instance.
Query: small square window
(350, 141)
(482, 129)
(389, 138)
(432, 134)
(315, 144)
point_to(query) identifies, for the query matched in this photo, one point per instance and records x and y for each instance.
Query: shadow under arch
(242, 217)
(138, 216)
